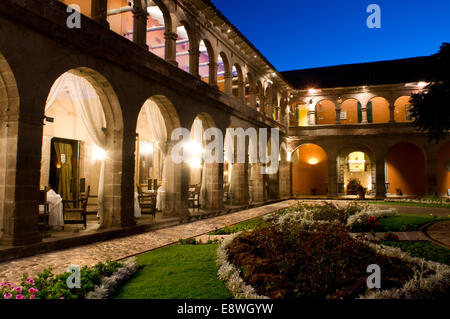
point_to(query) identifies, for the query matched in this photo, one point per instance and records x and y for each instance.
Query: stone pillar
(241, 91)
(391, 113)
(214, 186)
(311, 118)
(228, 78)
(252, 98)
(364, 115)
(193, 62)
(338, 114)
(380, 180)
(140, 26)
(332, 176)
(285, 179)
(213, 74)
(175, 181)
(171, 47)
(239, 184)
(22, 176)
(257, 181)
(431, 187)
(98, 12)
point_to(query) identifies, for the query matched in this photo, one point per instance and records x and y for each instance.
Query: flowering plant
(10, 291)
(390, 237)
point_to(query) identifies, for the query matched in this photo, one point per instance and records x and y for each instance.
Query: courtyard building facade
(88, 104)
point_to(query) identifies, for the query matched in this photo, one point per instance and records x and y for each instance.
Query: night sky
(298, 34)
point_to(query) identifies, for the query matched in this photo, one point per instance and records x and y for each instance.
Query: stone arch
(309, 170)
(9, 111)
(402, 108)
(284, 172)
(406, 169)
(367, 174)
(378, 110)
(158, 28)
(207, 62)
(109, 178)
(268, 100)
(187, 48)
(224, 76)
(325, 112)
(259, 96)
(349, 111)
(250, 90)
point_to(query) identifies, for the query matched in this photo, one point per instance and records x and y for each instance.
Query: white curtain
(155, 122)
(89, 108)
(197, 137)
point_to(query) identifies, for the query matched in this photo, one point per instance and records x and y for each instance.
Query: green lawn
(249, 224)
(423, 249)
(177, 272)
(435, 205)
(405, 222)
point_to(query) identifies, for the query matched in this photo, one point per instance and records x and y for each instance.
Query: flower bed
(367, 220)
(303, 256)
(99, 281)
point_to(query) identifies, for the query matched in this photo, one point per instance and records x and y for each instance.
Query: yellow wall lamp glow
(98, 154)
(313, 161)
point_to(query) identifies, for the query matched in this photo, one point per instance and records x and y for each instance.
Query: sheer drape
(89, 108)
(197, 137)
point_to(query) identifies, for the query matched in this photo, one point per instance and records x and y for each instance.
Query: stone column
(171, 47)
(175, 181)
(257, 180)
(241, 91)
(239, 184)
(285, 179)
(431, 186)
(380, 180)
(332, 176)
(391, 113)
(213, 74)
(311, 118)
(228, 78)
(193, 62)
(338, 114)
(22, 176)
(140, 26)
(98, 12)
(214, 186)
(364, 115)
(252, 98)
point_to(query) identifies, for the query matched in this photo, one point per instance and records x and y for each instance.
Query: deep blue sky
(297, 34)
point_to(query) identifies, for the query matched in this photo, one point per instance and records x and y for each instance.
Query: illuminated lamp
(98, 154)
(146, 148)
(422, 84)
(312, 91)
(313, 161)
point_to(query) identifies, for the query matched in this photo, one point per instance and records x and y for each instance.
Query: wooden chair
(44, 215)
(77, 213)
(194, 196)
(147, 202)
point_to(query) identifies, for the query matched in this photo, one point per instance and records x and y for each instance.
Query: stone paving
(123, 247)
(441, 232)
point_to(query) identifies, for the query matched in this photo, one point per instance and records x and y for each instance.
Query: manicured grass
(177, 272)
(423, 249)
(249, 224)
(405, 222)
(435, 205)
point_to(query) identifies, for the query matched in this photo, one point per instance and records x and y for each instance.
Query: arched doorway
(349, 111)
(82, 142)
(325, 112)
(223, 73)
(156, 29)
(356, 167)
(443, 170)
(402, 109)
(405, 170)
(378, 110)
(182, 49)
(309, 170)
(238, 82)
(205, 61)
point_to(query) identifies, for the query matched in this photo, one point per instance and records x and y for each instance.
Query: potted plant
(352, 186)
(361, 191)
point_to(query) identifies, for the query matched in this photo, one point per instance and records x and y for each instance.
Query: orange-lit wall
(305, 176)
(406, 169)
(325, 113)
(120, 23)
(400, 110)
(351, 107)
(443, 176)
(85, 5)
(380, 110)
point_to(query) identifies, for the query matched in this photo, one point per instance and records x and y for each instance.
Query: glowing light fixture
(422, 84)
(313, 161)
(98, 154)
(312, 91)
(289, 157)
(146, 148)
